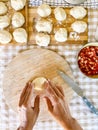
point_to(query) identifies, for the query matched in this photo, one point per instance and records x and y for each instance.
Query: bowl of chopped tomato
(88, 60)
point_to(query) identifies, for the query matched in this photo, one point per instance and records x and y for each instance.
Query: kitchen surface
(65, 53)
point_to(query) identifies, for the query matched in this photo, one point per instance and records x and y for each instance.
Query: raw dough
(39, 83)
(3, 8)
(78, 12)
(5, 37)
(4, 21)
(18, 4)
(20, 35)
(60, 14)
(42, 39)
(44, 10)
(61, 35)
(18, 19)
(43, 26)
(79, 26)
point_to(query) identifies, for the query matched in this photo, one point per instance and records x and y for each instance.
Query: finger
(61, 90)
(51, 93)
(26, 96)
(22, 96)
(58, 87)
(50, 88)
(58, 93)
(58, 90)
(36, 103)
(49, 104)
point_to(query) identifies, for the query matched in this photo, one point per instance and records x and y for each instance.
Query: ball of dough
(39, 83)
(79, 26)
(60, 14)
(3, 8)
(20, 35)
(61, 35)
(42, 39)
(18, 4)
(5, 37)
(44, 10)
(4, 21)
(43, 26)
(78, 12)
(18, 19)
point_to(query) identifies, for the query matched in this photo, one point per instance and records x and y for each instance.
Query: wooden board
(33, 17)
(10, 28)
(29, 65)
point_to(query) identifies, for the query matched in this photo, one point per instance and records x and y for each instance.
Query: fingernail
(45, 84)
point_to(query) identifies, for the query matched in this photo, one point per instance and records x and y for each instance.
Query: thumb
(36, 103)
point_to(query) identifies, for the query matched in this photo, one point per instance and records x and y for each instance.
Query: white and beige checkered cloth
(88, 121)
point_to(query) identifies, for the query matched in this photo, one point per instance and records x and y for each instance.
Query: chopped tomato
(88, 60)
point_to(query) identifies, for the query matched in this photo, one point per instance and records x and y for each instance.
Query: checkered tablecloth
(9, 119)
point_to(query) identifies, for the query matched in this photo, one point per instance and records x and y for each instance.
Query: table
(9, 119)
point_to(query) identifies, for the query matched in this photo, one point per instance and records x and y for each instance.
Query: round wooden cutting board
(28, 65)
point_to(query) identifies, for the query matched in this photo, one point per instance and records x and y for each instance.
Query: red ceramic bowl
(88, 60)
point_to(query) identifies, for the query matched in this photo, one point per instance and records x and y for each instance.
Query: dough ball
(5, 37)
(79, 26)
(44, 10)
(20, 35)
(78, 12)
(18, 4)
(18, 19)
(60, 14)
(61, 35)
(3, 8)
(43, 26)
(42, 39)
(39, 83)
(4, 21)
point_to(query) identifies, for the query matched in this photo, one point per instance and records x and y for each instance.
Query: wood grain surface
(34, 17)
(28, 65)
(10, 28)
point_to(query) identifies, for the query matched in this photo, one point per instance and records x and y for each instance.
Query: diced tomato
(88, 60)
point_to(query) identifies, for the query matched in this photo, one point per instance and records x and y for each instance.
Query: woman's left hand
(28, 114)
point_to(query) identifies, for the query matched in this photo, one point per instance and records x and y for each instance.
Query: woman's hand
(28, 114)
(58, 107)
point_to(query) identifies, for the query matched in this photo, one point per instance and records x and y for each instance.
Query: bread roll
(44, 10)
(39, 83)
(18, 19)
(44, 26)
(78, 12)
(20, 35)
(42, 39)
(61, 35)
(5, 37)
(3, 8)
(4, 21)
(60, 14)
(18, 4)
(79, 26)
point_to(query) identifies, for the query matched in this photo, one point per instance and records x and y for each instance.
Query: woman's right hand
(58, 107)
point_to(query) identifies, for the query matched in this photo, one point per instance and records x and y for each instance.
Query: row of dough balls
(44, 28)
(15, 4)
(17, 20)
(43, 39)
(19, 35)
(60, 14)
(47, 26)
